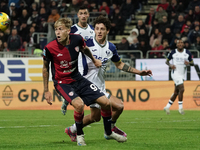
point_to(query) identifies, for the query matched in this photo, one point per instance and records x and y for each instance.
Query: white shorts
(178, 80)
(95, 105)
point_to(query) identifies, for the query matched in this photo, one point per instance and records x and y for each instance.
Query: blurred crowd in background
(161, 28)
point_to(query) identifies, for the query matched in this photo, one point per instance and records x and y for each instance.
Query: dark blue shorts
(83, 88)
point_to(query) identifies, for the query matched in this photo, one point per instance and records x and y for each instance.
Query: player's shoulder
(173, 51)
(90, 42)
(75, 36)
(51, 44)
(91, 27)
(74, 28)
(111, 46)
(187, 51)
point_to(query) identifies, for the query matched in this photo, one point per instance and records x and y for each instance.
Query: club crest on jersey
(107, 52)
(71, 93)
(77, 48)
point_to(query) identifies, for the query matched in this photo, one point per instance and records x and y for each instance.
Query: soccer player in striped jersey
(105, 51)
(62, 53)
(181, 57)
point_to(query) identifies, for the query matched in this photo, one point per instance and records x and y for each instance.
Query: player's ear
(68, 31)
(108, 31)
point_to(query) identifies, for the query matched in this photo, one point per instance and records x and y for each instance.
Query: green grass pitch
(147, 130)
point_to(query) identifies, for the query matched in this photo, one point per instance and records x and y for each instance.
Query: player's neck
(102, 41)
(82, 25)
(180, 50)
(65, 42)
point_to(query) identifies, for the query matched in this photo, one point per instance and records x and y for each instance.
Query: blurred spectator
(105, 7)
(127, 9)
(164, 24)
(43, 5)
(37, 51)
(188, 24)
(176, 37)
(160, 13)
(194, 24)
(165, 45)
(141, 25)
(144, 47)
(54, 16)
(23, 31)
(117, 24)
(73, 7)
(197, 13)
(185, 32)
(187, 45)
(43, 14)
(150, 18)
(14, 41)
(23, 6)
(167, 35)
(24, 17)
(112, 9)
(12, 9)
(1, 46)
(190, 16)
(43, 27)
(31, 40)
(93, 5)
(4, 6)
(133, 34)
(172, 17)
(175, 6)
(16, 25)
(193, 34)
(192, 4)
(33, 18)
(63, 7)
(197, 43)
(164, 4)
(6, 34)
(177, 26)
(155, 35)
(143, 35)
(134, 46)
(123, 45)
(156, 46)
(86, 3)
(33, 8)
(2, 36)
(5, 46)
(53, 5)
(155, 25)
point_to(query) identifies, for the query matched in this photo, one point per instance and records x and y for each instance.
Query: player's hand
(97, 63)
(172, 67)
(48, 97)
(186, 62)
(146, 72)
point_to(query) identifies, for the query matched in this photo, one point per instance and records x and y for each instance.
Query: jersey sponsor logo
(59, 55)
(64, 64)
(70, 70)
(94, 50)
(77, 48)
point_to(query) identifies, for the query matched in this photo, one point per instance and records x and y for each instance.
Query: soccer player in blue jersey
(181, 58)
(62, 53)
(105, 51)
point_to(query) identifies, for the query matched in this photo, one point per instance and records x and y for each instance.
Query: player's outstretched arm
(45, 74)
(122, 66)
(87, 52)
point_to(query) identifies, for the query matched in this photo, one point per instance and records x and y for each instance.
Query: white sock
(169, 104)
(180, 104)
(73, 128)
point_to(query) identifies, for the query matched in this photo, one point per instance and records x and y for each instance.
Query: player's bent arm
(45, 74)
(87, 52)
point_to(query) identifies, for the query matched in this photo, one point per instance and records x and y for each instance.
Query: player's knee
(182, 90)
(119, 107)
(79, 106)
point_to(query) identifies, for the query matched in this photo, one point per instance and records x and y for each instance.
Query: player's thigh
(103, 101)
(117, 104)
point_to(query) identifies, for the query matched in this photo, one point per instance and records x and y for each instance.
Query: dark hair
(83, 7)
(104, 20)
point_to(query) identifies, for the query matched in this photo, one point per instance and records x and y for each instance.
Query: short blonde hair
(67, 22)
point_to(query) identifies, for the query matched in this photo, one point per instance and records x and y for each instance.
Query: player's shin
(106, 114)
(78, 116)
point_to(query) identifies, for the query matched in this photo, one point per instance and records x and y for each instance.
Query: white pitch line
(41, 126)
